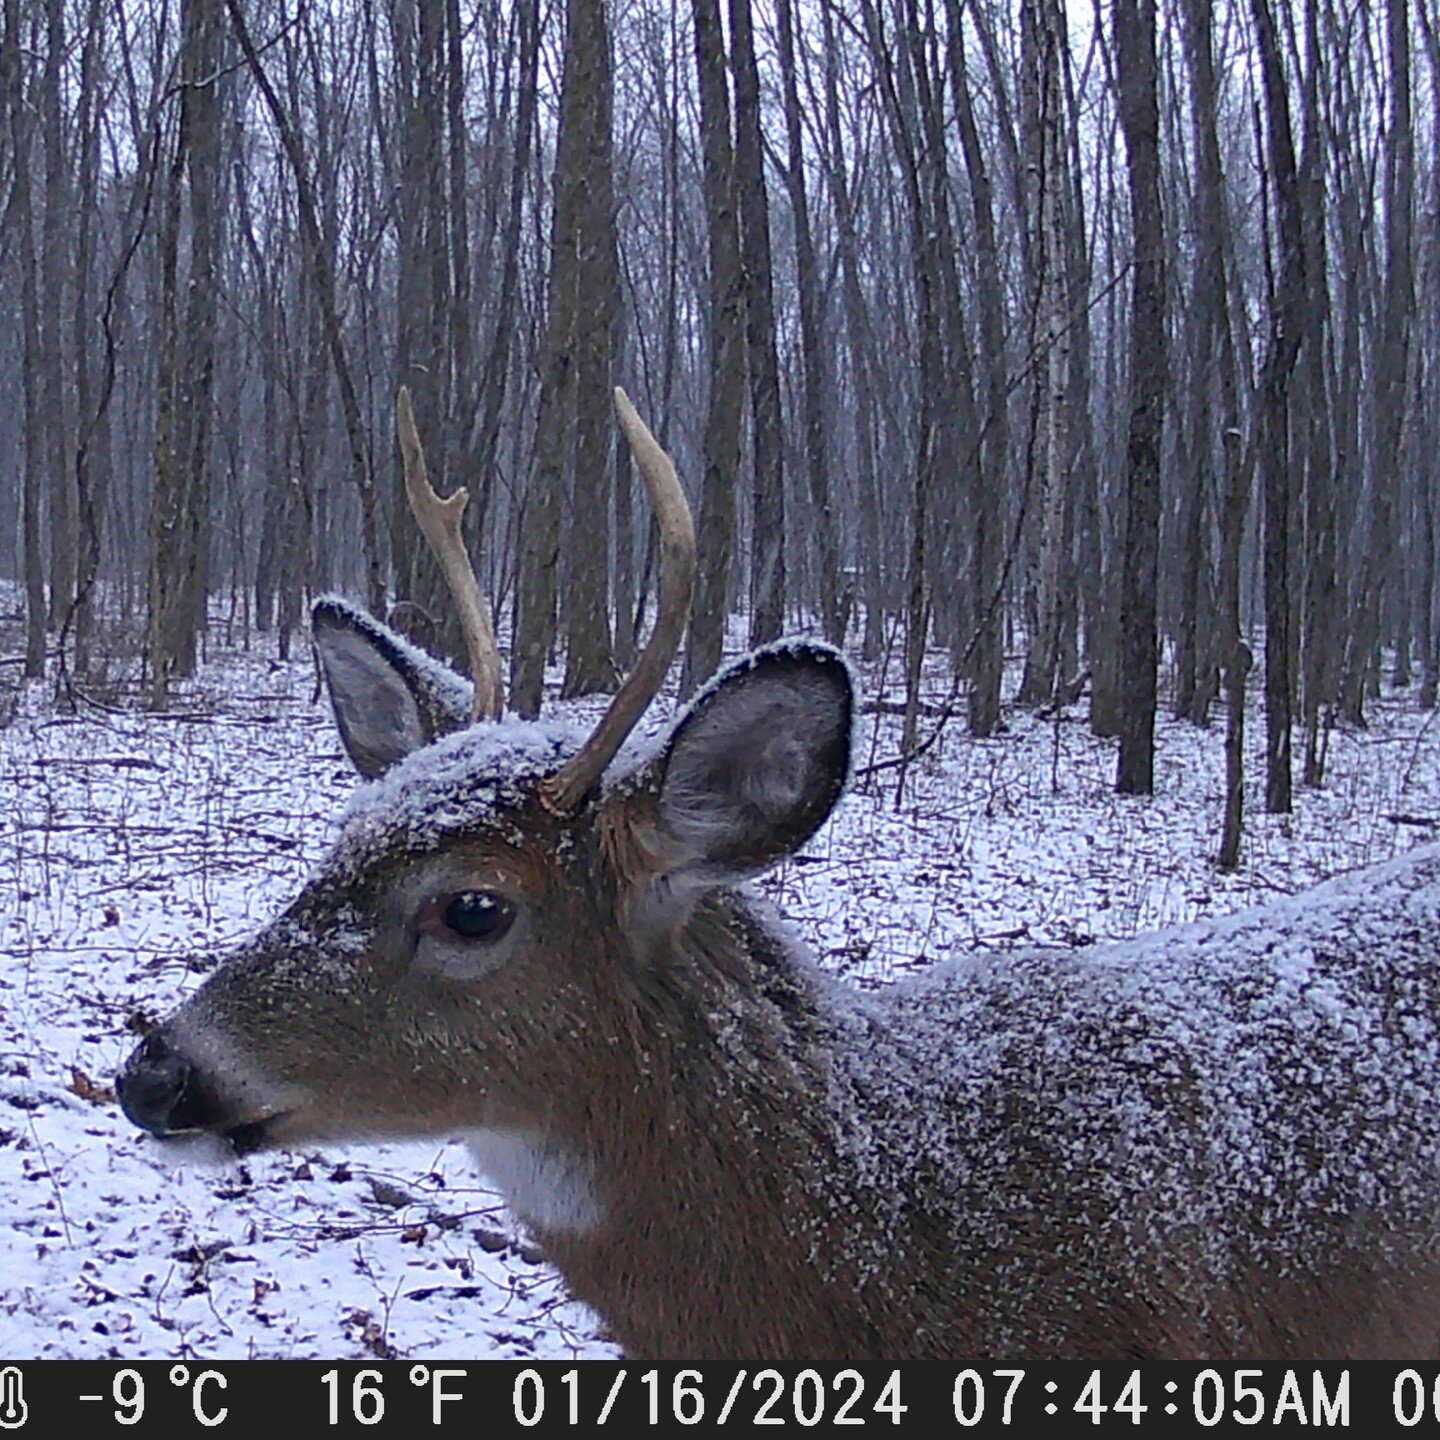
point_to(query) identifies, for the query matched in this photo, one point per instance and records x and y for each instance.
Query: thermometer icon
(13, 1410)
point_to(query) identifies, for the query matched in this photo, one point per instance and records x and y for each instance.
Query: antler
(439, 521)
(564, 791)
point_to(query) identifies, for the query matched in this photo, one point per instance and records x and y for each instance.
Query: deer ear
(389, 697)
(758, 761)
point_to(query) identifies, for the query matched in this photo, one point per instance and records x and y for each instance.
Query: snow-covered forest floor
(134, 846)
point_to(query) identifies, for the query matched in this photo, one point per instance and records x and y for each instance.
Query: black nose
(155, 1086)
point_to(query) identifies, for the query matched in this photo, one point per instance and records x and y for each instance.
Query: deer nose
(153, 1086)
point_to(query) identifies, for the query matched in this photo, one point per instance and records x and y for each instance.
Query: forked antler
(564, 791)
(439, 522)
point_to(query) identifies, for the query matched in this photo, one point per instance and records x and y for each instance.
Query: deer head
(500, 944)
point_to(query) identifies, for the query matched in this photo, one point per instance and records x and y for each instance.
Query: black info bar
(196, 1396)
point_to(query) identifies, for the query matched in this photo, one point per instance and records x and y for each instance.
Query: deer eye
(478, 915)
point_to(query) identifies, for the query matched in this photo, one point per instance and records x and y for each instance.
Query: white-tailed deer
(1219, 1141)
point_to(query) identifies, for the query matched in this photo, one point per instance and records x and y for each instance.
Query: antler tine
(564, 791)
(439, 522)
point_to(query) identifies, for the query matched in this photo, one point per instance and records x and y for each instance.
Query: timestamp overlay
(195, 1396)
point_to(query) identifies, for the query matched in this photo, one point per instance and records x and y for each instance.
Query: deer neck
(695, 1201)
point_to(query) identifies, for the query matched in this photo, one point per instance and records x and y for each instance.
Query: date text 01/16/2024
(518, 1398)
(933, 1394)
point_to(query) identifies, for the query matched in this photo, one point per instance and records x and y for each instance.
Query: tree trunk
(872, 546)
(55, 250)
(1320, 640)
(32, 482)
(812, 345)
(1273, 447)
(988, 660)
(186, 368)
(1139, 111)
(897, 83)
(589, 658)
(1391, 363)
(485, 437)
(92, 399)
(767, 559)
(725, 341)
(1043, 43)
(537, 590)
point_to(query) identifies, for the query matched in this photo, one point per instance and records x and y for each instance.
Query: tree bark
(1320, 641)
(589, 656)
(1391, 365)
(1044, 46)
(1139, 111)
(55, 252)
(767, 558)
(1273, 445)
(21, 226)
(988, 661)
(537, 590)
(812, 345)
(873, 532)
(177, 583)
(725, 342)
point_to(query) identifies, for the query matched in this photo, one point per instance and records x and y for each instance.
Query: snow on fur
(450, 787)
(1273, 1064)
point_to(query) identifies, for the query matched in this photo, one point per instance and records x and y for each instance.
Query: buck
(1223, 1140)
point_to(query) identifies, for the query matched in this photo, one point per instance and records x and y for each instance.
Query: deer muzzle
(164, 1092)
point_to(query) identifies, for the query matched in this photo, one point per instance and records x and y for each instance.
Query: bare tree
(993, 440)
(1044, 49)
(812, 345)
(1273, 430)
(1216, 368)
(1391, 362)
(862, 360)
(936, 335)
(322, 269)
(54, 357)
(725, 340)
(20, 225)
(589, 654)
(1320, 641)
(93, 383)
(177, 587)
(537, 590)
(1139, 113)
(483, 439)
(767, 564)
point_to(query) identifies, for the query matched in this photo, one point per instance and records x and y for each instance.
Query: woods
(1089, 339)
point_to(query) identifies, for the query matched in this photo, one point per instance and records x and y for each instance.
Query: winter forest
(1092, 336)
(1074, 367)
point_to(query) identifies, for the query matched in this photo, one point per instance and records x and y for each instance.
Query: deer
(1222, 1140)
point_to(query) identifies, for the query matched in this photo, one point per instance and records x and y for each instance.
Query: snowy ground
(131, 847)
